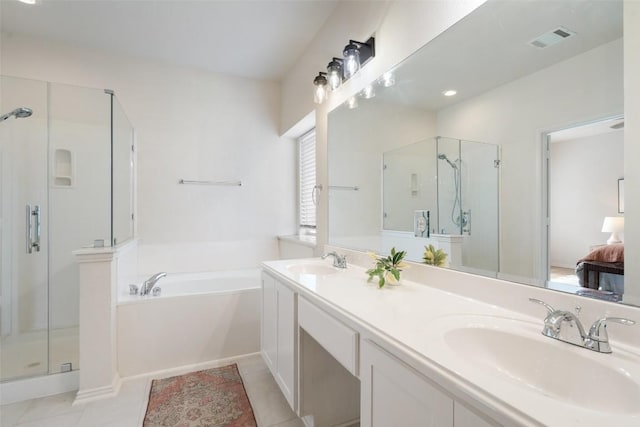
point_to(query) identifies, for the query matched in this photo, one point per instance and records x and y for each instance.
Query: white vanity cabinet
(278, 335)
(392, 393)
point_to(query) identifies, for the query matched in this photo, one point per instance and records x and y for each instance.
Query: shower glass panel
(55, 197)
(122, 175)
(24, 321)
(79, 204)
(479, 205)
(468, 191)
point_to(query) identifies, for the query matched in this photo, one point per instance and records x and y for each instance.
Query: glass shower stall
(468, 176)
(67, 183)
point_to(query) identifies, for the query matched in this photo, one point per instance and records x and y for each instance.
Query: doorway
(583, 166)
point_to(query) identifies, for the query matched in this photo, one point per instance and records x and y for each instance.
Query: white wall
(515, 116)
(189, 124)
(355, 159)
(401, 166)
(583, 189)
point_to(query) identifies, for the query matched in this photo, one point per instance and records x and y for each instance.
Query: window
(307, 176)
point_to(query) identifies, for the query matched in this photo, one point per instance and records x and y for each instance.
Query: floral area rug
(213, 397)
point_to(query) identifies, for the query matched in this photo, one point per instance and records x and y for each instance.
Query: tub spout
(148, 284)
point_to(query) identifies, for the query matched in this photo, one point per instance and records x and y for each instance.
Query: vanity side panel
(268, 342)
(287, 342)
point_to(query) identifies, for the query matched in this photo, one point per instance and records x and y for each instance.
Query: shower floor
(26, 355)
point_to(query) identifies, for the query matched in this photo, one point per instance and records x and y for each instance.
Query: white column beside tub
(452, 245)
(98, 294)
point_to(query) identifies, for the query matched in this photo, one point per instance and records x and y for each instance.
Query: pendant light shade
(357, 54)
(334, 73)
(320, 88)
(351, 60)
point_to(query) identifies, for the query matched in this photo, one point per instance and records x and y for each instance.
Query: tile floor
(128, 408)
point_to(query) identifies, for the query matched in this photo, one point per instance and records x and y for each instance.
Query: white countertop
(412, 315)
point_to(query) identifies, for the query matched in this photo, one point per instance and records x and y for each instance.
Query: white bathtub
(198, 317)
(184, 284)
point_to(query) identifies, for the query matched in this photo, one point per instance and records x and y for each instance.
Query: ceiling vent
(552, 37)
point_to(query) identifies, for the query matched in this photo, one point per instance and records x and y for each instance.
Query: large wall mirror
(533, 135)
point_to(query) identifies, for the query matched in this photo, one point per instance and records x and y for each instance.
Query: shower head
(445, 158)
(18, 113)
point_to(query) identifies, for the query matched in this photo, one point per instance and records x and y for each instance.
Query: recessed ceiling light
(28, 1)
(449, 92)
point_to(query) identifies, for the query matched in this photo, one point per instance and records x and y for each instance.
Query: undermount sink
(312, 268)
(497, 347)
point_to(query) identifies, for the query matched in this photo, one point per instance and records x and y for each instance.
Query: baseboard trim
(163, 373)
(98, 393)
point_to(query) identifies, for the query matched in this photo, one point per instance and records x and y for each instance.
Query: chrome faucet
(597, 339)
(339, 261)
(148, 284)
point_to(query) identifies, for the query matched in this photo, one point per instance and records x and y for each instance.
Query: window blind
(307, 174)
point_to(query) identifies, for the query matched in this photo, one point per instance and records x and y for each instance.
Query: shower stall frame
(20, 387)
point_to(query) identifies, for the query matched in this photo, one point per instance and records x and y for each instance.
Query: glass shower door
(24, 313)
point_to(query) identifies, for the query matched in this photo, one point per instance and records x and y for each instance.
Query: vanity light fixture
(334, 73)
(320, 90)
(450, 92)
(357, 54)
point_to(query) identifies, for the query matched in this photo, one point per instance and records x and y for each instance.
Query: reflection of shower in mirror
(462, 219)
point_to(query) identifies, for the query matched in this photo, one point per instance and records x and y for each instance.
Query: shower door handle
(36, 214)
(31, 244)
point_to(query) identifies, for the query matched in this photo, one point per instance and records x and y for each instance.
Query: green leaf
(381, 281)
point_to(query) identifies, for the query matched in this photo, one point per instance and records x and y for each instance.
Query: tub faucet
(150, 283)
(339, 261)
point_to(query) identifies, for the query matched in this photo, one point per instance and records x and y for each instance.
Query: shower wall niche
(63, 159)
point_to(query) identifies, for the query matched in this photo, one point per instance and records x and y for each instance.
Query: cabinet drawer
(338, 339)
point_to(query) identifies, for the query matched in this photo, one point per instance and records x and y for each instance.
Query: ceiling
(491, 47)
(259, 39)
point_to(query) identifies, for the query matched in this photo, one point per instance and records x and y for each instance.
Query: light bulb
(334, 79)
(319, 94)
(352, 103)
